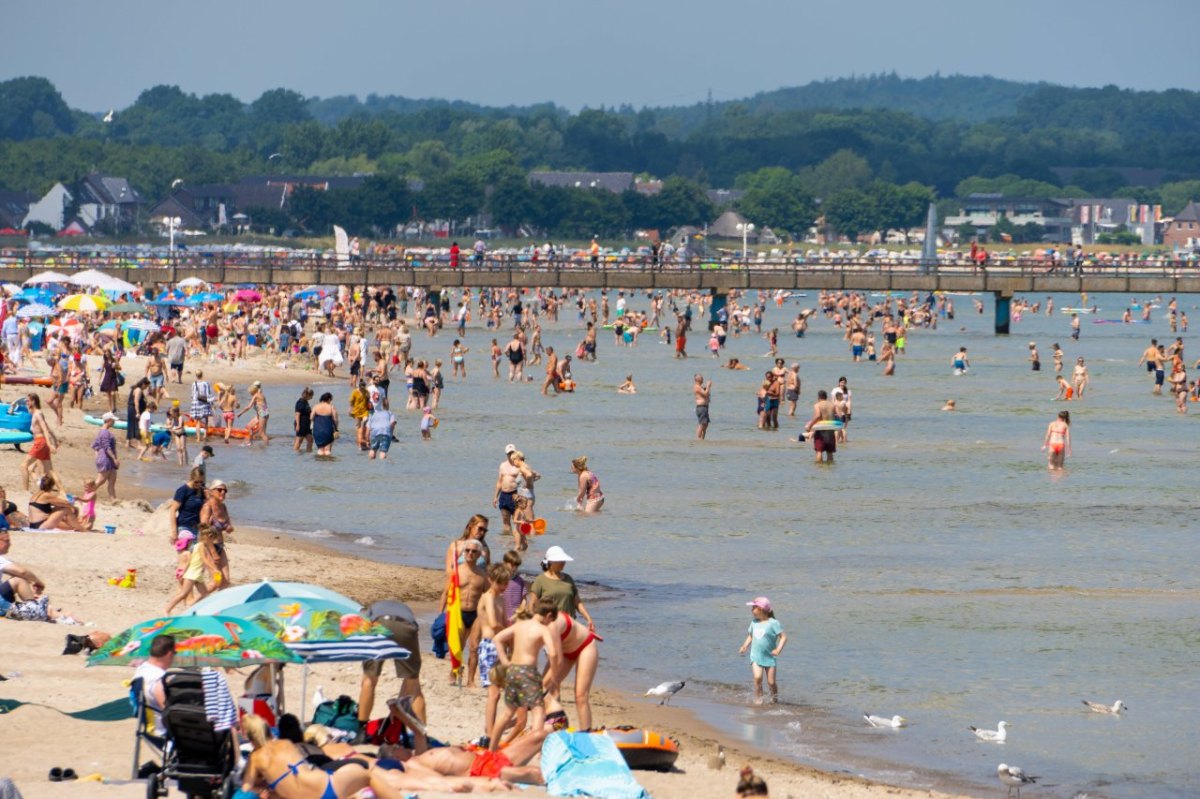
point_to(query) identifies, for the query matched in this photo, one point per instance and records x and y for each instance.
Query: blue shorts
(156, 381)
(381, 443)
(507, 501)
(857, 350)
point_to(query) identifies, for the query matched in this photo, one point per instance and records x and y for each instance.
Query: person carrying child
(765, 640)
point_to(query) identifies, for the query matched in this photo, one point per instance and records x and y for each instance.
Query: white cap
(510, 448)
(555, 554)
(110, 416)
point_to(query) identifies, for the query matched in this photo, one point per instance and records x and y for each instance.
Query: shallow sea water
(936, 571)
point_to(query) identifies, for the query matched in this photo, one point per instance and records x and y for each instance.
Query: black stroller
(199, 759)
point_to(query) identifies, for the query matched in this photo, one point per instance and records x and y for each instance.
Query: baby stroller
(199, 759)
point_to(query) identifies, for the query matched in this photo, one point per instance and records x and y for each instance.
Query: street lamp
(746, 228)
(172, 223)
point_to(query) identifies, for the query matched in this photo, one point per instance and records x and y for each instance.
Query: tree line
(797, 153)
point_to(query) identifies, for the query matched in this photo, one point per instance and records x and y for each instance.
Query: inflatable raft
(15, 436)
(123, 425)
(644, 749)
(16, 417)
(21, 380)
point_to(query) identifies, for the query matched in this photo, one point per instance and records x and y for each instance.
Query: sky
(101, 55)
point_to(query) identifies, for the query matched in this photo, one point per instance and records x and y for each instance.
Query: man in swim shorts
(791, 381)
(824, 441)
(505, 499)
(703, 395)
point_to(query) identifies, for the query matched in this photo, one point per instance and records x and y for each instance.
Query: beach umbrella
(148, 325)
(84, 302)
(10, 288)
(299, 620)
(203, 297)
(89, 277)
(169, 303)
(47, 277)
(62, 326)
(191, 283)
(107, 326)
(35, 309)
(221, 641)
(310, 294)
(170, 294)
(247, 295)
(218, 601)
(44, 296)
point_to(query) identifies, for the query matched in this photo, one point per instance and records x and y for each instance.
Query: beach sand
(76, 568)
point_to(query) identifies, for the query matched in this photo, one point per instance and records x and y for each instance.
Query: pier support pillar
(1003, 311)
(719, 301)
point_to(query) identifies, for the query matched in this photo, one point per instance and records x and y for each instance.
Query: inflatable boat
(16, 417)
(22, 380)
(15, 436)
(121, 424)
(644, 749)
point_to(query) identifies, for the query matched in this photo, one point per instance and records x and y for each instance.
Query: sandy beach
(76, 568)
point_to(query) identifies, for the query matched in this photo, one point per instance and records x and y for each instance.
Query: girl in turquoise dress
(765, 639)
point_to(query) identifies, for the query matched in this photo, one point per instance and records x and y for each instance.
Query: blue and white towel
(219, 706)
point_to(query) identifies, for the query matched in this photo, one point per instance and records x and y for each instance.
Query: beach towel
(585, 764)
(219, 707)
(116, 710)
(454, 623)
(438, 632)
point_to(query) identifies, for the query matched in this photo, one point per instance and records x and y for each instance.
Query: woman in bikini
(578, 641)
(590, 498)
(1058, 441)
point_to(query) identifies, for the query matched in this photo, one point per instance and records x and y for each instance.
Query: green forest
(866, 152)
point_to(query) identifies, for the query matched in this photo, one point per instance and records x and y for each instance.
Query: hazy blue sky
(644, 52)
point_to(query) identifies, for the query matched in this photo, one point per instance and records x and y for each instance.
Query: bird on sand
(998, 736)
(895, 722)
(1116, 709)
(666, 690)
(1014, 777)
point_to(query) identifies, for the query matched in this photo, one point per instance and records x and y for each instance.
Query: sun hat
(555, 554)
(760, 602)
(184, 538)
(215, 484)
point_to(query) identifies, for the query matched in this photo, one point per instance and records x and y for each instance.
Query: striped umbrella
(142, 324)
(84, 302)
(63, 325)
(35, 310)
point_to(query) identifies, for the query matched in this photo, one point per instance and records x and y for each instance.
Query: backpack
(338, 714)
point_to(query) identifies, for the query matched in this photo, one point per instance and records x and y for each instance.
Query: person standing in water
(960, 362)
(1035, 361)
(703, 394)
(1057, 444)
(765, 639)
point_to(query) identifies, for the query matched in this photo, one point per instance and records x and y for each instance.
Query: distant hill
(961, 97)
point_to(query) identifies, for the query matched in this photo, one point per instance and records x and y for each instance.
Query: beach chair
(199, 758)
(145, 727)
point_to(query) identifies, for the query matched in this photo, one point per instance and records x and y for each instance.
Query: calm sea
(937, 571)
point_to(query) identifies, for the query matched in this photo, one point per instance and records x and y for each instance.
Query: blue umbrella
(218, 601)
(43, 296)
(308, 294)
(168, 303)
(203, 297)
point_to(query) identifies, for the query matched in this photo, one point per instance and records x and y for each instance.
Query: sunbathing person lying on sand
(508, 766)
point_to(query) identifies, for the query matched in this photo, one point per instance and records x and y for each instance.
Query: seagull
(997, 736)
(1014, 777)
(895, 722)
(666, 690)
(109, 116)
(1117, 708)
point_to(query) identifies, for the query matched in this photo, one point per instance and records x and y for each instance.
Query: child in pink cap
(765, 639)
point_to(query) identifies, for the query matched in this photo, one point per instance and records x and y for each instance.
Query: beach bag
(387, 730)
(338, 714)
(587, 764)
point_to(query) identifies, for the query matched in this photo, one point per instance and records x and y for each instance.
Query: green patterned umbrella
(199, 641)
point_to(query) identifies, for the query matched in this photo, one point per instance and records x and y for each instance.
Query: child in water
(765, 640)
(428, 422)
